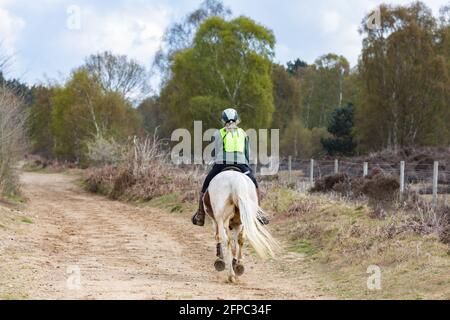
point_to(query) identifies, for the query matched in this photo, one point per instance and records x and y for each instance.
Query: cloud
(283, 53)
(37, 30)
(133, 31)
(331, 21)
(10, 29)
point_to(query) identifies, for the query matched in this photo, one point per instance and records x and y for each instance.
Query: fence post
(365, 169)
(336, 166)
(290, 169)
(255, 168)
(435, 182)
(402, 179)
(311, 173)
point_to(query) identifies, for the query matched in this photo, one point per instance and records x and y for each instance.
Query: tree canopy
(83, 111)
(404, 78)
(229, 65)
(341, 127)
(118, 73)
(211, 60)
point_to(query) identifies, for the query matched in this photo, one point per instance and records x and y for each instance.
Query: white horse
(232, 203)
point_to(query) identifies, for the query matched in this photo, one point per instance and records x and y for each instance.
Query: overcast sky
(47, 40)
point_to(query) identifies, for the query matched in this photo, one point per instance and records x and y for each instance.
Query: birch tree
(229, 65)
(405, 80)
(83, 111)
(118, 73)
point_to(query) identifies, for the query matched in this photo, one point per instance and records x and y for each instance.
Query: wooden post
(365, 169)
(255, 169)
(402, 179)
(435, 182)
(311, 173)
(290, 169)
(336, 166)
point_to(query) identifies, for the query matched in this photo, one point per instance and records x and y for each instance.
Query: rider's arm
(218, 146)
(247, 149)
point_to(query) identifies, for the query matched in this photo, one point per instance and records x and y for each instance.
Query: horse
(232, 203)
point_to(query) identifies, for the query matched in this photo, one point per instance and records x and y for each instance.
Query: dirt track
(125, 252)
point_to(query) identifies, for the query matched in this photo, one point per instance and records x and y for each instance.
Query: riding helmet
(229, 115)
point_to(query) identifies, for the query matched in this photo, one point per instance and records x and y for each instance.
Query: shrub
(145, 173)
(12, 139)
(99, 180)
(301, 206)
(327, 183)
(378, 186)
(414, 213)
(104, 151)
(381, 187)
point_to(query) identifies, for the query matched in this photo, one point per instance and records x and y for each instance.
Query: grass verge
(341, 241)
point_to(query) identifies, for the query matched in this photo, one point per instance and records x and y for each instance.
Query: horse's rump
(233, 198)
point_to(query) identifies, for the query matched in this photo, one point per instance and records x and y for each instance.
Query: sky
(48, 38)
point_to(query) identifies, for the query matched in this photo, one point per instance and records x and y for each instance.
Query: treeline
(12, 132)
(94, 103)
(398, 94)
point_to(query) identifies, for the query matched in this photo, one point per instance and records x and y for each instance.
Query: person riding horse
(231, 150)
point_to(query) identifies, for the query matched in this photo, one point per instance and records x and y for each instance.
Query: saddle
(232, 168)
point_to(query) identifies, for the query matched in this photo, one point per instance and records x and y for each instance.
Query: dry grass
(145, 174)
(381, 192)
(342, 240)
(301, 207)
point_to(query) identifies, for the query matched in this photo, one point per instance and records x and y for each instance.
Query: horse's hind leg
(237, 260)
(229, 258)
(219, 264)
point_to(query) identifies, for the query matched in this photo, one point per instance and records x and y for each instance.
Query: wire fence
(430, 180)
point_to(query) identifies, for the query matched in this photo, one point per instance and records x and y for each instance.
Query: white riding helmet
(230, 115)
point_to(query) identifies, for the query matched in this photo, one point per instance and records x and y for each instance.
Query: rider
(231, 150)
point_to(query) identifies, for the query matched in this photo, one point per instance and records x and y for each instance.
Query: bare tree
(180, 35)
(12, 138)
(444, 15)
(5, 60)
(117, 73)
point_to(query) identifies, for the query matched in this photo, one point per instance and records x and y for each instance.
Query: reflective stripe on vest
(233, 141)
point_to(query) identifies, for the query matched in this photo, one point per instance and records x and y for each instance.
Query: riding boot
(262, 219)
(199, 217)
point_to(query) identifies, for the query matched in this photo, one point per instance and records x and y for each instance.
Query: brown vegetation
(340, 239)
(12, 139)
(145, 173)
(382, 192)
(378, 186)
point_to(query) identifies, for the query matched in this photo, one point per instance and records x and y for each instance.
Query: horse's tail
(258, 235)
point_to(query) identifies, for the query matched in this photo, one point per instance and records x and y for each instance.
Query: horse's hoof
(231, 279)
(239, 269)
(219, 265)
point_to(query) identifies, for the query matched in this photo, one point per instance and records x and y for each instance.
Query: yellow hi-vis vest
(233, 141)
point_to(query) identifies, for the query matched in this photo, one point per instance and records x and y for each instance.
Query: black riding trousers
(218, 167)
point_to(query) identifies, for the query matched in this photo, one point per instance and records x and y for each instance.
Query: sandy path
(125, 252)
